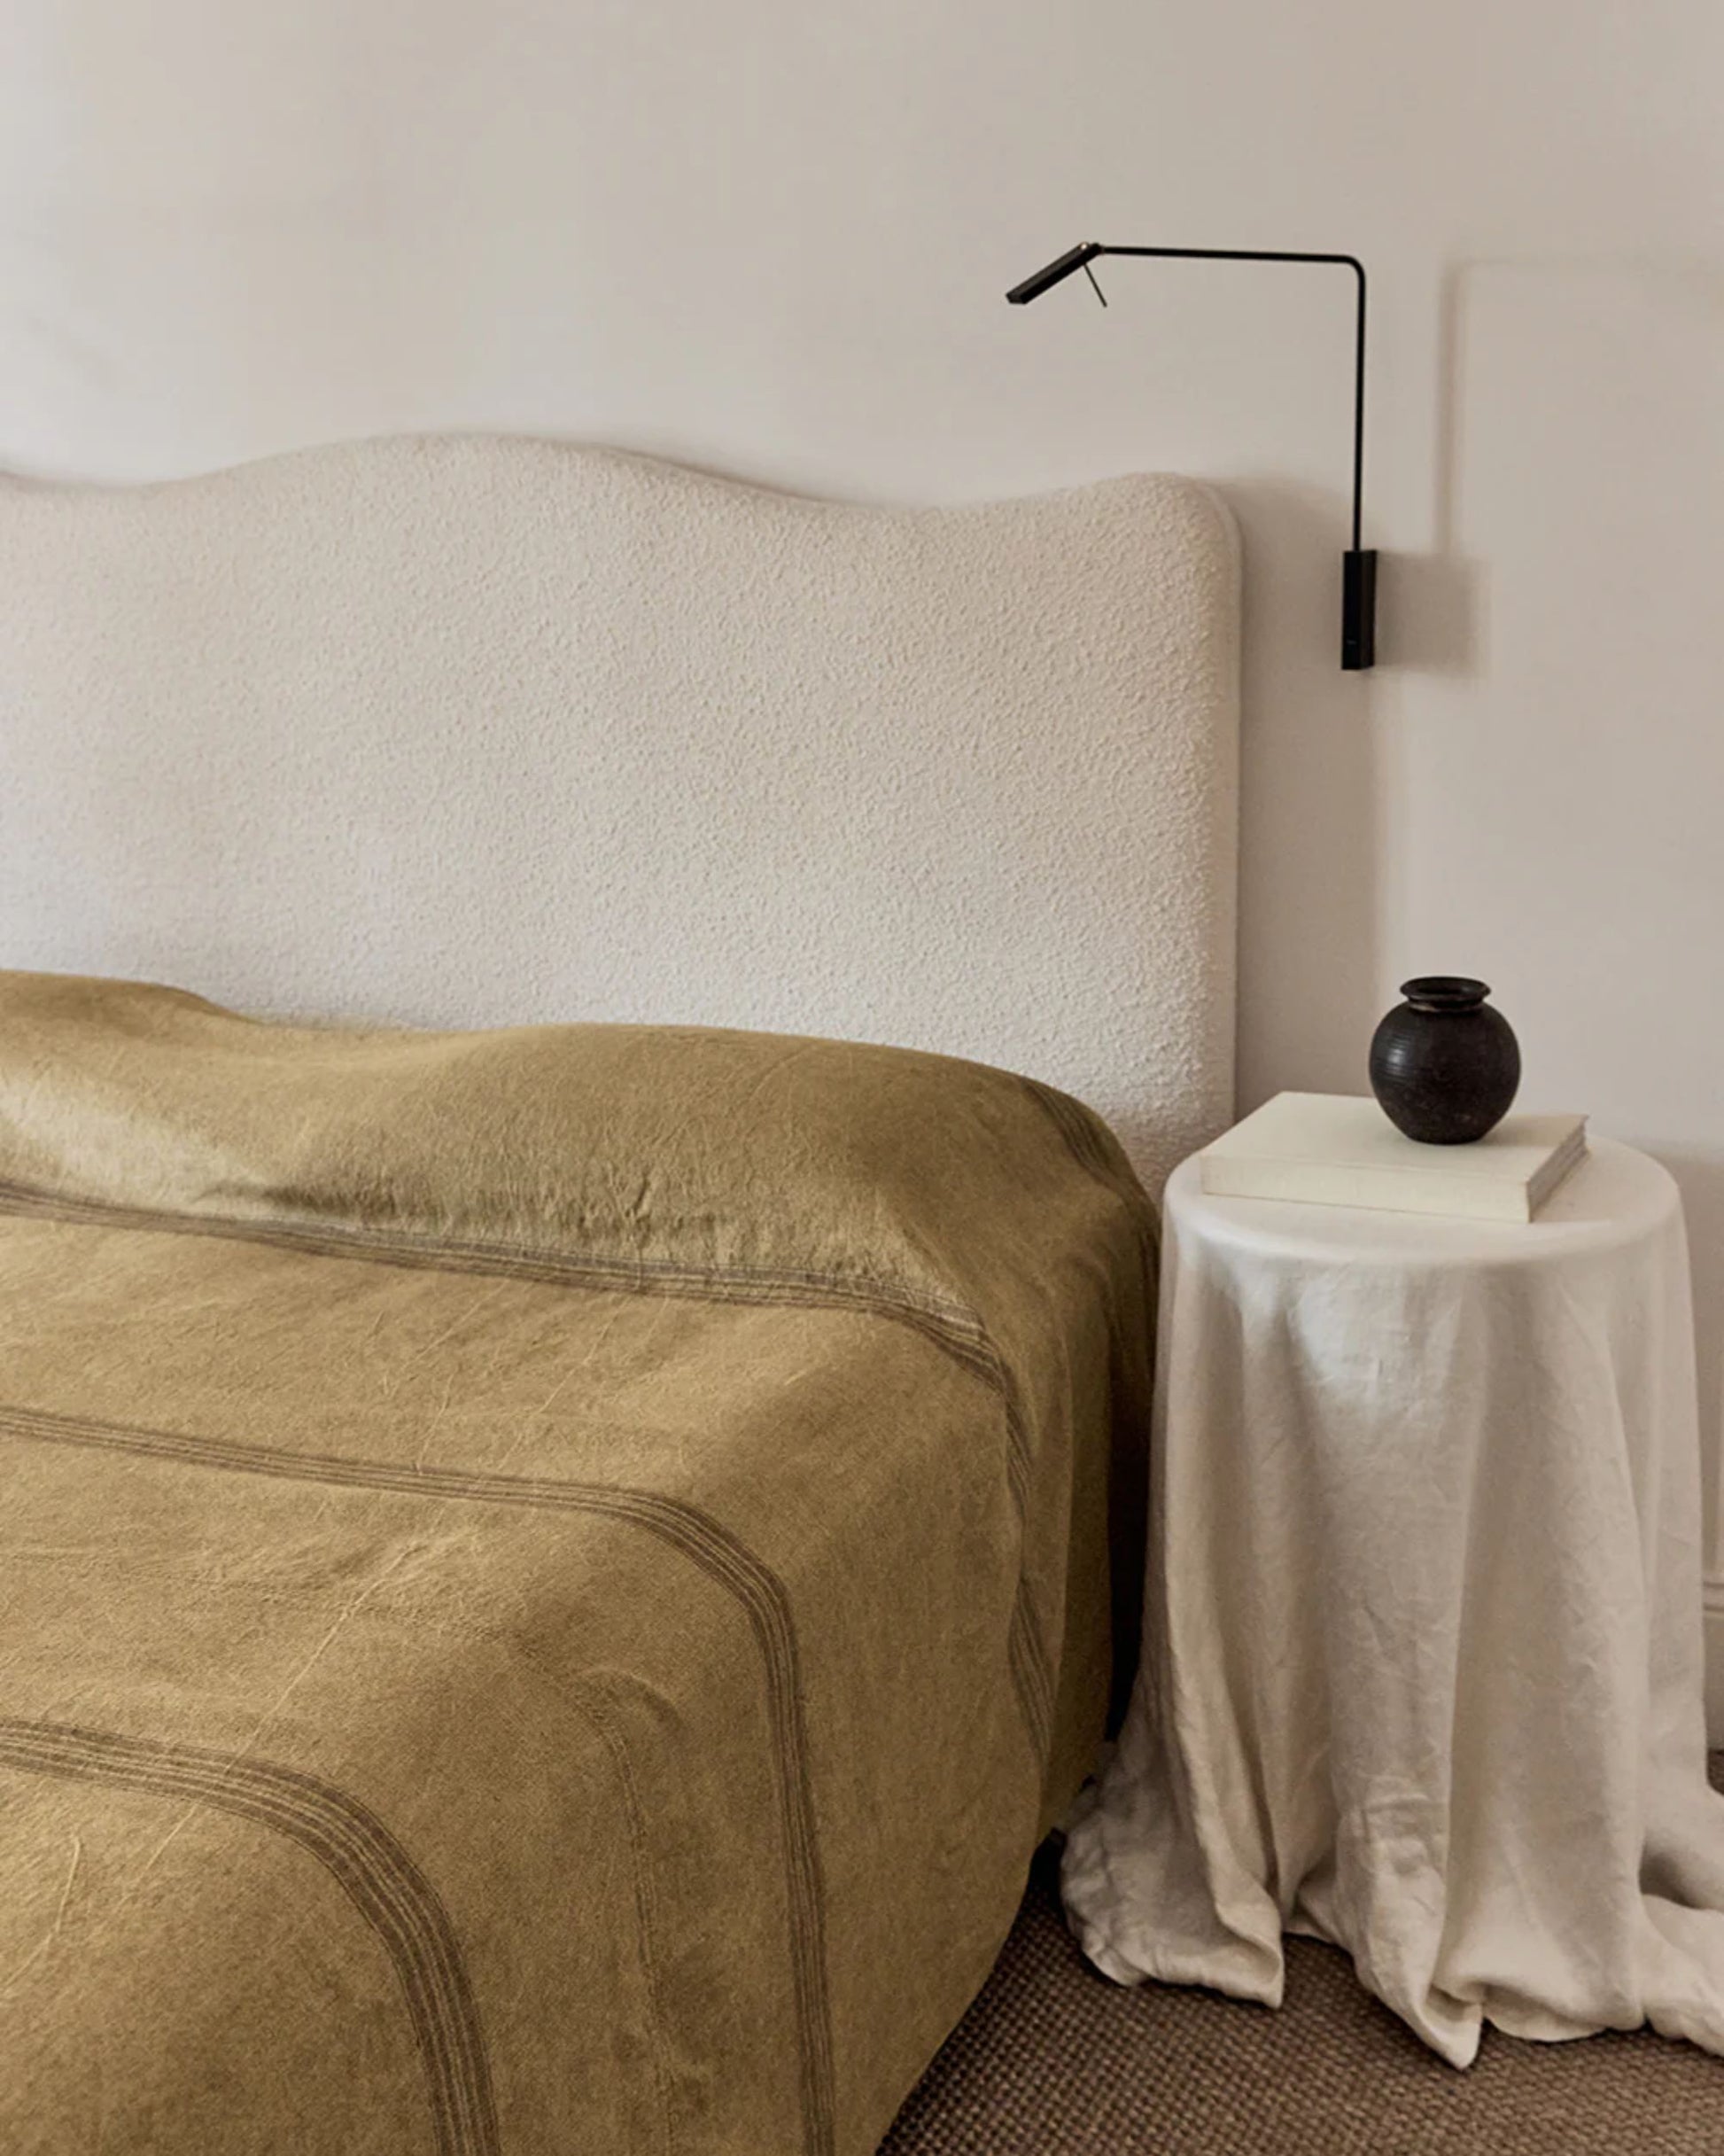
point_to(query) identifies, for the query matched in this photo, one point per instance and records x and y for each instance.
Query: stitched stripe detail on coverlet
(1082, 1133)
(947, 1325)
(600, 1710)
(703, 1541)
(379, 1878)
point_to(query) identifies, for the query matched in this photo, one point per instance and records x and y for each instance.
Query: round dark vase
(1444, 1065)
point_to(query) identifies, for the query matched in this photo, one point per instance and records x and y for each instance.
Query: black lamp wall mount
(1359, 563)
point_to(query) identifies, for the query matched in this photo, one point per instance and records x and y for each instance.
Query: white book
(1332, 1148)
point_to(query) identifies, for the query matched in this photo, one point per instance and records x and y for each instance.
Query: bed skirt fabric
(550, 1581)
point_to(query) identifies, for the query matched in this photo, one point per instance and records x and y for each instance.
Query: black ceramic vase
(1444, 1065)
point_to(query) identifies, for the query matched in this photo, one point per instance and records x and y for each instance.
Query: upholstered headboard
(465, 731)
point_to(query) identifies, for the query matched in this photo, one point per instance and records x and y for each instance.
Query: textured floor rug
(1053, 2060)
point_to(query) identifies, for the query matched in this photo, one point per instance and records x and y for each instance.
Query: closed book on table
(1329, 1148)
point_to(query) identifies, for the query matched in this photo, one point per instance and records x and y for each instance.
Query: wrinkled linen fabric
(551, 1582)
(1422, 1668)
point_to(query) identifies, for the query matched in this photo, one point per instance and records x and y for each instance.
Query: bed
(552, 1576)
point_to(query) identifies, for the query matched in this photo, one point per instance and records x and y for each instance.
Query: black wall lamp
(1359, 563)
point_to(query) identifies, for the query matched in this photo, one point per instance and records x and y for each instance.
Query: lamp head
(1056, 272)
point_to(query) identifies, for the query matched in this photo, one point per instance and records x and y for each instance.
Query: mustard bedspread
(550, 1581)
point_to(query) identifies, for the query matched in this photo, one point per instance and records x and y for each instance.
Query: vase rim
(1445, 991)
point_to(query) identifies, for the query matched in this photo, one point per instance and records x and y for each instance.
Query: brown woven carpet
(1052, 2060)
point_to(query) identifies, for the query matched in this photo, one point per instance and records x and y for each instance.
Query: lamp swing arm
(1359, 567)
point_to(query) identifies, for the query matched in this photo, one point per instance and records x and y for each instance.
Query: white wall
(772, 237)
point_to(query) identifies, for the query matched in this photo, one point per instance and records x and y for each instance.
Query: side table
(1422, 1667)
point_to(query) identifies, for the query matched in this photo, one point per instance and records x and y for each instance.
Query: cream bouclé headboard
(463, 731)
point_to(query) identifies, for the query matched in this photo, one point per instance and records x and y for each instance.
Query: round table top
(1614, 1198)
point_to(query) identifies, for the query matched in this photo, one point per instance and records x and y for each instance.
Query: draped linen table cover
(1423, 1657)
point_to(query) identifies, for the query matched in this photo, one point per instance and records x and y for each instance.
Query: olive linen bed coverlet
(549, 1581)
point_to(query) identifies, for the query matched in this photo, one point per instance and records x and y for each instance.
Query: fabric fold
(549, 1582)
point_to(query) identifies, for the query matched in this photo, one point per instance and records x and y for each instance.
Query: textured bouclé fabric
(464, 730)
(551, 1582)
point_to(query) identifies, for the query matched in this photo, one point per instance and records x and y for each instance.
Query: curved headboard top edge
(454, 446)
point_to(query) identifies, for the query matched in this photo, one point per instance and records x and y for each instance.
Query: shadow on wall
(1577, 435)
(1700, 1173)
(1438, 604)
(1441, 602)
(1308, 786)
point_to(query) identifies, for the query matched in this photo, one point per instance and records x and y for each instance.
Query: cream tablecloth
(1421, 1668)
